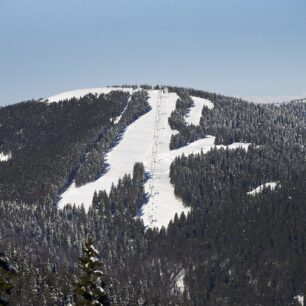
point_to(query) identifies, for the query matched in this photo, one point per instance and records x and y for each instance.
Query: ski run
(195, 114)
(146, 140)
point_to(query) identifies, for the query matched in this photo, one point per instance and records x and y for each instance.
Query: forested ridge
(232, 249)
(235, 120)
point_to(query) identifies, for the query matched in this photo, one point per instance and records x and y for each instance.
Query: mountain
(147, 140)
(190, 197)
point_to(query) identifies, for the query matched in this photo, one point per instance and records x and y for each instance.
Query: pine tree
(7, 273)
(91, 287)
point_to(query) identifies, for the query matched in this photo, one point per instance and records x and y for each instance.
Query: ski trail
(146, 140)
(195, 113)
(132, 148)
(162, 204)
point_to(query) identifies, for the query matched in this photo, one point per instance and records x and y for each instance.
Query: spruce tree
(7, 273)
(91, 286)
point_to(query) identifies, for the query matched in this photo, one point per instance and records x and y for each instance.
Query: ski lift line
(156, 142)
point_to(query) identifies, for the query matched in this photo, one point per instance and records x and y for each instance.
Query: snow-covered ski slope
(79, 93)
(146, 140)
(194, 115)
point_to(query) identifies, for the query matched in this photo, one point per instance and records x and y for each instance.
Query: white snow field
(5, 157)
(146, 140)
(195, 113)
(259, 189)
(78, 93)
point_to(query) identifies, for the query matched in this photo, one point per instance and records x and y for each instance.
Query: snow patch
(236, 145)
(179, 281)
(300, 299)
(5, 157)
(195, 113)
(93, 259)
(79, 93)
(259, 189)
(94, 249)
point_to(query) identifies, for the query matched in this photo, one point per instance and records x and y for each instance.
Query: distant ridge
(275, 99)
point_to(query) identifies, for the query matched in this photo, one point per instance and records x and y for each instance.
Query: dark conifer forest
(233, 248)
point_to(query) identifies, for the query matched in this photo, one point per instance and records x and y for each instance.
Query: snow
(134, 147)
(78, 93)
(236, 145)
(94, 249)
(179, 281)
(146, 140)
(259, 189)
(195, 113)
(119, 117)
(5, 157)
(300, 299)
(93, 259)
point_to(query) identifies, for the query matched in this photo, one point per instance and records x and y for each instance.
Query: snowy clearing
(78, 93)
(259, 189)
(195, 113)
(5, 157)
(179, 281)
(146, 140)
(300, 299)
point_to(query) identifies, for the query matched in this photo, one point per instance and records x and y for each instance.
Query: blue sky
(235, 47)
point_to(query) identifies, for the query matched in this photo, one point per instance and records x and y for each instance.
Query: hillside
(197, 195)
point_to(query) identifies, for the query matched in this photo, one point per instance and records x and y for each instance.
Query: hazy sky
(235, 47)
